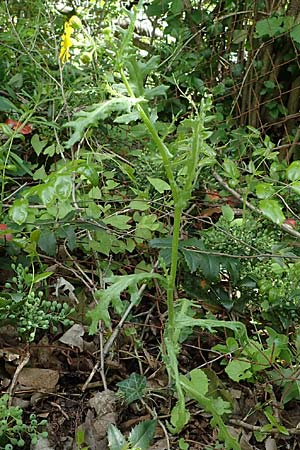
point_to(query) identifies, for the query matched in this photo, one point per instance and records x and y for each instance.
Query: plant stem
(171, 285)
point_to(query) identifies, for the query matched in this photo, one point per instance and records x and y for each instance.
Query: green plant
(139, 438)
(22, 306)
(13, 429)
(193, 154)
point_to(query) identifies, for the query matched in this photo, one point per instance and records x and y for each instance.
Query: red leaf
(18, 126)
(6, 237)
(291, 222)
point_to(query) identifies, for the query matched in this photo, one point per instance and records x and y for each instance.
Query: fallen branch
(248, 426)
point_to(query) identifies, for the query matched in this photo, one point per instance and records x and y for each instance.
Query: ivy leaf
(133, 388)
(272, 210)
(118, 221)
(269, 27)
(228, 213)
(63, 187)
(47, 194)
(293, 171)
(142, 434)
(37, 144)
(19, 211)
(47, 242)
(159, 185)
(295, 33)
(139, 205)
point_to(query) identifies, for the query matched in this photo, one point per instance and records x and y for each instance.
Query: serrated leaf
(95, 113)
(106, 296)
(238, 370)
(133, 388)
(293, 171)
(142, 434)
(161, 243)
(210, 267)
(19, 211)
(272, 210)
(127, 118)
(160, 185)
(264, 190)
(116, 440)
(192, 258)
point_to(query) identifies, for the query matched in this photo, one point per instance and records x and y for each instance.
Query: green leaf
(37, 144)
(116, 440)
(272, 210)
(160, 185)
(295, 187)
(47, 194)
(183, 445)
(210, 266)
(106, 296)
(118, 221)
(142, 434)
(19, 211)
(293, 171)
(238, 370)
(230, 169)
(139, 205)
(6, 105)
(192, 259)
(133, 388)
(47, 242)
(228, 213)
(269, 27)
(295, 33)
(41, 276)
(264, 190)
(63, 187)
(95, 113)
(39, 174)
(179, 417)
(199, 381)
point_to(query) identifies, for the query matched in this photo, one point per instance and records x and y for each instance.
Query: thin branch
(248, 426)
(288, 229)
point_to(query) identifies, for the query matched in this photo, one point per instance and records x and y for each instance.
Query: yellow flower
(66, 43)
